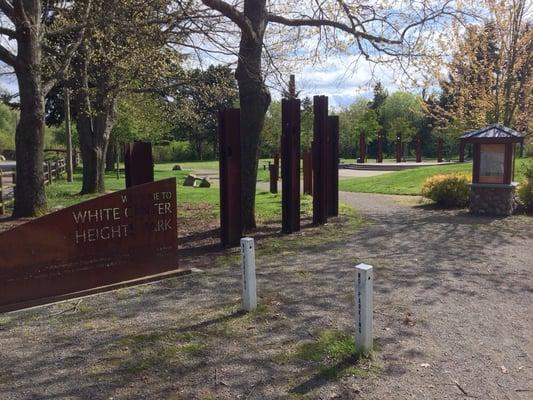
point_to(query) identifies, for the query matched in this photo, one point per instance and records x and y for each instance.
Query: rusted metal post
(333, 167)
(229, 133)
(138, 163)
(308, 172)
(2, 207)
(273, 170)
(320, 156)
(439, 149)
(379, 157)
(398, 147)
(418, 149)
(276, 163)
(290, 165)
(461, 151)
(362, 148)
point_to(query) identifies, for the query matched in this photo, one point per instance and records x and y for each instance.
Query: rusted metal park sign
(114, 238)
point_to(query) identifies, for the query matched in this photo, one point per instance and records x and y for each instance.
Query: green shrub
(448, 191)
(525, 195)
(527, 169)
(173, 152)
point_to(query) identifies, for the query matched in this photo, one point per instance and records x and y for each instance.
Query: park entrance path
(452, 319)
(462, 286)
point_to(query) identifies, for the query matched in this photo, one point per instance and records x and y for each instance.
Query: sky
(342, 81)
(337, 75)
(336, 78)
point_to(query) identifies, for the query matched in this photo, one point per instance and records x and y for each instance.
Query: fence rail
(7, 190)
(52, 172)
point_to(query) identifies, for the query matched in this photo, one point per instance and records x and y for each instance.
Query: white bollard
(249, 295)
(364, 307)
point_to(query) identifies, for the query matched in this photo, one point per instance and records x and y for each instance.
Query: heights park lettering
(117, 237)
(113, 222)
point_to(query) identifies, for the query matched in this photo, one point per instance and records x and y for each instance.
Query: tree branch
(234, 15)
(7, 57)
(8, 32)
(7, 8)
(320, 22)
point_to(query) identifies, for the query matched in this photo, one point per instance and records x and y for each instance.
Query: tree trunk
(94, 126)
(94, 140)
(254, 100)
(30, 196)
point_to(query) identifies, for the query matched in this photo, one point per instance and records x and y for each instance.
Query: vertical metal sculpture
(229, 134)
(276, 163)
(362, 148)
(379, 157)
(439, 149)
(333, 167)
(418, 149)
(138, 163)
(308, 172)
(320, 155)
(273, 171)
(290, 165)
(398, 147)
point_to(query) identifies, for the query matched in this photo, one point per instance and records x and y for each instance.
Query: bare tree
(377, 31)
(34, 29)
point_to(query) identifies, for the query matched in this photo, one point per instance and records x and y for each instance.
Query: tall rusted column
(273, 171)
(379, 157)
(320, 155)
(398, 147)
(362, 148)
(439, 149)
(290, 165)
(308, 172)
(229, 134)
(333, 167)
(276, 163)
(138, 163)
(461, 151)
(418, 149)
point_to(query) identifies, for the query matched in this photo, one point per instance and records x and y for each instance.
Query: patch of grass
(331, 344)
(189, 166)
(333, 355)
(410, 182)
(192, 202)
(349, 220)
(140, 352)
(302, 273)
(6, 322)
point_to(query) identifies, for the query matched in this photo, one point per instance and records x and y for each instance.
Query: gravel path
(452, 319)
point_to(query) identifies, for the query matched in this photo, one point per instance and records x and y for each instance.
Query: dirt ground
(453, 318)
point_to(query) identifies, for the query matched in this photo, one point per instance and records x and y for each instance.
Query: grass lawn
(262, 171)
(268, 206)
(410, 181)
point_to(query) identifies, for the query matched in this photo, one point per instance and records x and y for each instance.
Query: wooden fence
(7, 189)
(52, 172)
